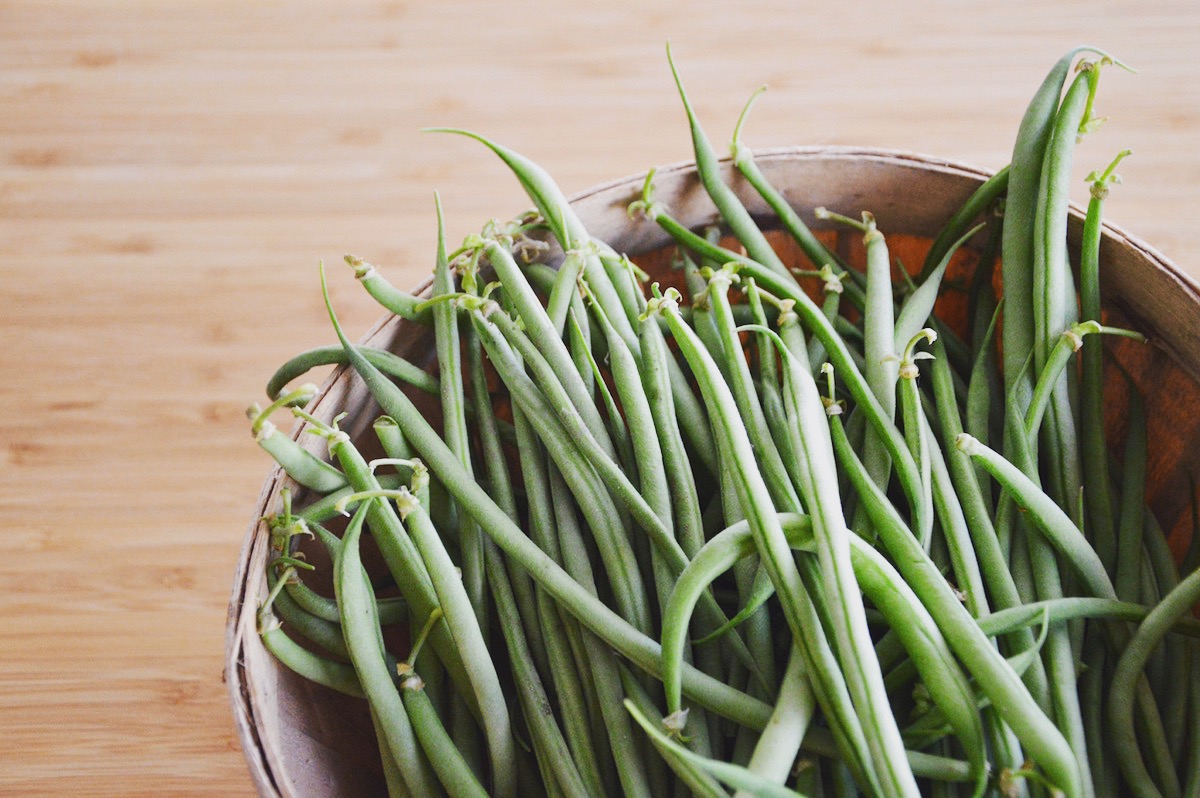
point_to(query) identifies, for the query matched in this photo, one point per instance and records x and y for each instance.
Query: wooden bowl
(303, 740)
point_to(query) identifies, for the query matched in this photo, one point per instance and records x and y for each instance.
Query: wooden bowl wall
(303, 740)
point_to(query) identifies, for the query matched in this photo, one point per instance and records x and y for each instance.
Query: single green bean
(454, 419)
(1051, 519)
(726, 772)
(444, 755)
(1094, 445)
(480, 669)
(743, 159)
(393, 299)
(1133, 500)
(1020, 213)
(694, 778)
(950, 238)
(727, 202)
(1124, 686)
(387, 362)
(778, 746)
(300, 464)
(323, 671)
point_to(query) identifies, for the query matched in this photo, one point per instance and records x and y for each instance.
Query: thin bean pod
(1125, 681)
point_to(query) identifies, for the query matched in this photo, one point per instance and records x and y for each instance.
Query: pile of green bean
(734, 536)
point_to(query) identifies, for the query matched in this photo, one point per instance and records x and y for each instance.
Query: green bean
(1072, 607)
(879, 351)
(727, 202)
(626, 278)
(1054, 297)
(390, 364)
(777, 748)
(562, 220)
(366, 653)
(323, 671)
(680, 479)
(737, 372)
(818, 741)
(444, 756)
(696, 779)
(392, 611)
(1020, 213)
(1050, 518)
(1124, 685)
(393, 778)
(617, 428)
(957, 534)
(916, 434)
(393, 299)
(1052, 278)
(1094, 446)
(541, 723)
(981, 386)
(459, 613)
(832, 288)
(918, 307)
(951, 236)
(981, 291)
(300, 464)
(979, 560)
(648, 456)
(1133, 499)
(454, 425)
(335, 504)
(726, 772)
(1192, 785)
(564, 289)
(743, 159)
(1068, 343)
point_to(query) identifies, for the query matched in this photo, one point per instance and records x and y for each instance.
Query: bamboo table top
(172, 173)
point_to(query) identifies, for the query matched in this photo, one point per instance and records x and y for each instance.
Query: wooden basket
(303, 740)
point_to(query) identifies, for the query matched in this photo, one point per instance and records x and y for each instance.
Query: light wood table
(171, 173)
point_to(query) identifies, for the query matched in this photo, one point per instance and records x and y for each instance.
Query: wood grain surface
(171, 174)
